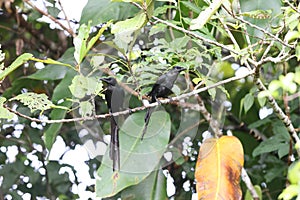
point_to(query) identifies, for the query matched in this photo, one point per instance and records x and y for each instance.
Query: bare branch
(128, 111)
(70, 31)
(281, 115)
(291, 5)
(264, 31)
(66, 17)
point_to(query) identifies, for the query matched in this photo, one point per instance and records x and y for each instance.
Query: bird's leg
(158, 101)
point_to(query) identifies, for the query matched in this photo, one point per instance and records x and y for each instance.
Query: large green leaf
(55, 71)
(14, 170)
(82, 86)
(130, 25)
(20, 83)
(4, 113)
(61, 92)
(138, 158)
(279, 142)
(205, 15)
(17, 63)
(152, 188)
(36, 101)
(253, 5)
(101, 11)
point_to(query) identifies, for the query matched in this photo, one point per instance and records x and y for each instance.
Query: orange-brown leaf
(218, 169)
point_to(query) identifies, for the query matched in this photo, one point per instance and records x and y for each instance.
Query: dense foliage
(242, 77)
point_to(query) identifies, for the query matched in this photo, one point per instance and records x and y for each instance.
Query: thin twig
(259, 28)
(195, 35)
(239, 10)
(66, 17)
(70, 31)
(293, 96)
(291, 5)
(233, 40)
(246, 179)
(281, 115)
(264, 31)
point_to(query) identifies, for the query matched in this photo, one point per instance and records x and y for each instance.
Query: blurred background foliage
(137, 51)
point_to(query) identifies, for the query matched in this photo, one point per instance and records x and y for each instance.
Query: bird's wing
(117, 99)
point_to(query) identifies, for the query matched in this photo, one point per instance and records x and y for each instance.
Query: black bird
(114, 96)
(161, 88)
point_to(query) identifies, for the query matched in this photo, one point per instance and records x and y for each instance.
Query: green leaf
(157, 28)
(82, 86)
(294, 177)
(80, 42)
(162, 10)
(34, 101)
(14, 170)
(106, 12)
(56, 71)
(191, 6)
(85, 109)
(212, 92)
(248, 195)
(248, 102)
(81, 45)
(34, 15)
(53, 11)
(290, 192)
(298, 52)
(278, 142)
(152, 188)
(51, 61)
(179, 43)
(274, 173)
(249, 6)
(258, 14)
(279, 128)
(292, 35)
(138, 158)
(94, 39)
(266, 147)
(60, 92)
(205, 15)
(261, 98)
(4, 113)
(130, 25)
(294, 173)
(17, 63)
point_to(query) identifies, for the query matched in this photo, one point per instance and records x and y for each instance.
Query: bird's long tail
(114, 152)
(147, 119)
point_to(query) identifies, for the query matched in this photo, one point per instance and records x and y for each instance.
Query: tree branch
(260, 29)
(128, 111)
(281, 115)
(70, 31)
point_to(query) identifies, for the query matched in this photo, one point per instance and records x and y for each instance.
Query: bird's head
(109, 80)
(178, 69)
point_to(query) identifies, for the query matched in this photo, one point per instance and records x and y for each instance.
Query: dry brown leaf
(218, 169)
